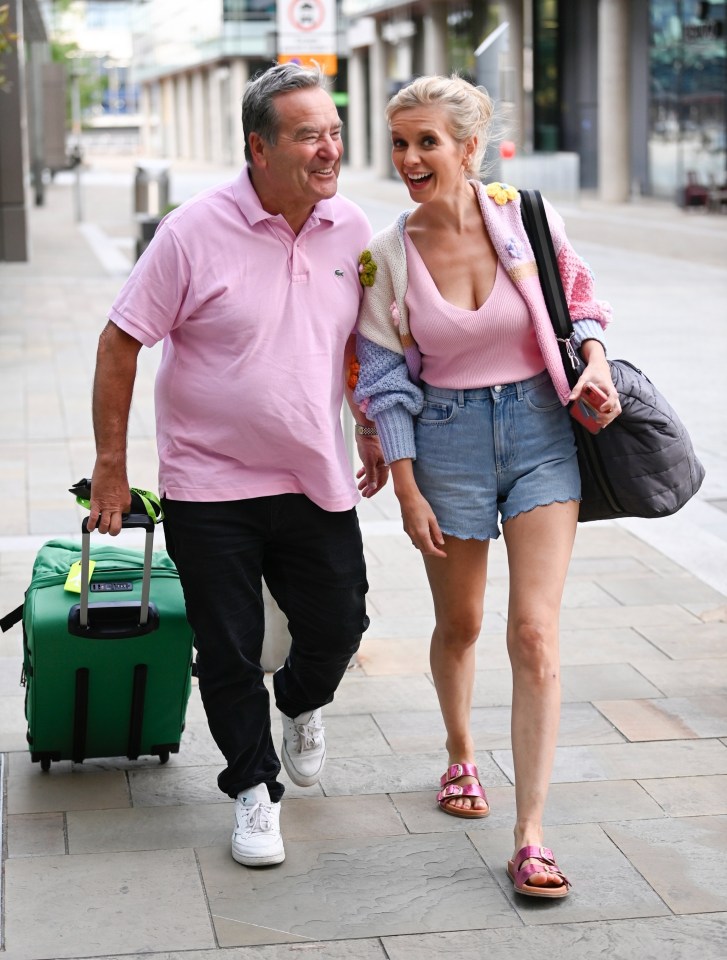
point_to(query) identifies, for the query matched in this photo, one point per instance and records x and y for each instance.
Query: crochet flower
(353, 371)
(514, 248)
(366, 269)
(501, 193)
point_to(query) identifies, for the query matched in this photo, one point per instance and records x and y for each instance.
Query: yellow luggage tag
(73, 580)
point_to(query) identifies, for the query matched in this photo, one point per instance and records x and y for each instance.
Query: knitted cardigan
(384, 316)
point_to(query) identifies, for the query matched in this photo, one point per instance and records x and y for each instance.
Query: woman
(460, 370)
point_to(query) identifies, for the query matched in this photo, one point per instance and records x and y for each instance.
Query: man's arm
(113, 387)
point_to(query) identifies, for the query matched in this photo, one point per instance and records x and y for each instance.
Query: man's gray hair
(258, 107)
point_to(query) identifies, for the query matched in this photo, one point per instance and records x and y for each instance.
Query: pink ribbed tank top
(466, 349)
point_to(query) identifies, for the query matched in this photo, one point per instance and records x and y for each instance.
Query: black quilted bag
(643, 464)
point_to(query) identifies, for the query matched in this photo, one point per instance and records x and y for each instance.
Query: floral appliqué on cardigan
(366, 269)
(354, 368)
(500, 192)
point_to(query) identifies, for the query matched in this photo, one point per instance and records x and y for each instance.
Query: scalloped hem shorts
(497, 450)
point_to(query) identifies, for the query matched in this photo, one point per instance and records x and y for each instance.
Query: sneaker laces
(306, 736)
(256, 819)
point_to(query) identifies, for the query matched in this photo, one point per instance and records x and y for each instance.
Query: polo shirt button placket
(298, 266)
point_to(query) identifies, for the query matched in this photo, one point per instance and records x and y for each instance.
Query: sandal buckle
(452, 790)
(455, 771)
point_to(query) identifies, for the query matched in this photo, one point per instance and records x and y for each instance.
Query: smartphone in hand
(584, 409)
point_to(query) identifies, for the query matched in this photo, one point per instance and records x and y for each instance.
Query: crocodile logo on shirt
(339, 273)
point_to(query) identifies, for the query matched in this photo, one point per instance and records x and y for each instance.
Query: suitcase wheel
(45, 764)
(163, 756)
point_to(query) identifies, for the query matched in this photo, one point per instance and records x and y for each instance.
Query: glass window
(248, 9)
(688, 102)
(546, 77)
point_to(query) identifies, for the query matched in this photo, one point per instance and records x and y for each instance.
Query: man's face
(302, 167)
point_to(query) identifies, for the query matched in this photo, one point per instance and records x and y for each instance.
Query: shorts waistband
(500, 390)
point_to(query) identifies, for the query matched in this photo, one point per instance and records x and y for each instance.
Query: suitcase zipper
(101, 574)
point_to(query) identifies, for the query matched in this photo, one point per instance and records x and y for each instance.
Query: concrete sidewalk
(113, 858)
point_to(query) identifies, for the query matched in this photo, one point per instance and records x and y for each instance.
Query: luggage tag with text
(73, 580)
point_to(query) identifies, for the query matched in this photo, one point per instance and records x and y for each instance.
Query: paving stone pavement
(116, 858)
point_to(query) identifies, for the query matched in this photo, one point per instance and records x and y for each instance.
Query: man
(254, 289)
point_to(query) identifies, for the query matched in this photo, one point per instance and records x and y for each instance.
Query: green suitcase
(110, 674)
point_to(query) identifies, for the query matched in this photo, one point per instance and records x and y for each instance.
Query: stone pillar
(184, 145)
(512, 11)
(239, 75)
(357, 127)
(167, 118)
(404, 52)
(614, 121)
(152, 115)
(216, 78)
(13, 147)
(199, 115)
(145, 109)
(435, 39)
(378, 96)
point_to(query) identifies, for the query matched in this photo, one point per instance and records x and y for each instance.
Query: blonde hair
(469, 109)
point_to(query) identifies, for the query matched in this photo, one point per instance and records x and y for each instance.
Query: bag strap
(10, 619)
(536, 226)
(150, 501)
(142, 501)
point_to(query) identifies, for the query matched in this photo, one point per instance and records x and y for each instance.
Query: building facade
(635, 91)
(192, 66)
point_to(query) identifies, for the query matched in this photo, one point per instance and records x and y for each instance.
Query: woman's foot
(462, 794)
(535, 873)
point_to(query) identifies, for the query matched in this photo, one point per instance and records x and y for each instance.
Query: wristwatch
(365, 431)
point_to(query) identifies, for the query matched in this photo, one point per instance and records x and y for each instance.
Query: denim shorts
(505, 449)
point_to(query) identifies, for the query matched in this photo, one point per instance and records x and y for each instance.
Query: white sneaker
(256, 839)
(304, 747)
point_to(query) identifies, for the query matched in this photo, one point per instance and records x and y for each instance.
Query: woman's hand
(598, 372)
(375, 471)
(421, 525)
(419, 521)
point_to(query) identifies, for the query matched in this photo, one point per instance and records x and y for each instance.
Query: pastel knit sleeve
(577, 276)
(587, 330)
(389, 397)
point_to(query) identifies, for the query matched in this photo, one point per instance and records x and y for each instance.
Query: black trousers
(312, 561)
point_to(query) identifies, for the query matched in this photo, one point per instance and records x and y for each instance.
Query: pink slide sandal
(451, 791)
(545, 864)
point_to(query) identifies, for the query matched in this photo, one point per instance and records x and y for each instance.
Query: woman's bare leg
(458, 588)
(539, 545)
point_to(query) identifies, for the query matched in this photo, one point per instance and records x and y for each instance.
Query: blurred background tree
(7, 41)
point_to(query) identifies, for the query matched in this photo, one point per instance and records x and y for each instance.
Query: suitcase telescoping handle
(129, 521)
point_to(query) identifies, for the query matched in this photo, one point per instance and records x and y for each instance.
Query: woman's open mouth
(418, 180)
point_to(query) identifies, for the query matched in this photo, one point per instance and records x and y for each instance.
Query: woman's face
(426, 156)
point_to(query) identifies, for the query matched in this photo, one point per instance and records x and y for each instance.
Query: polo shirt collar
(249, 203)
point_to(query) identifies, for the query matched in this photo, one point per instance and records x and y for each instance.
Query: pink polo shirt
(254, 321)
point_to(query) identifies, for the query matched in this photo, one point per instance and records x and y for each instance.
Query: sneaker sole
(296, 777)
(264, 861)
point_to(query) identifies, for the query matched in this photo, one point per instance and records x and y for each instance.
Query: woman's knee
(459, 632)
(533, 646)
